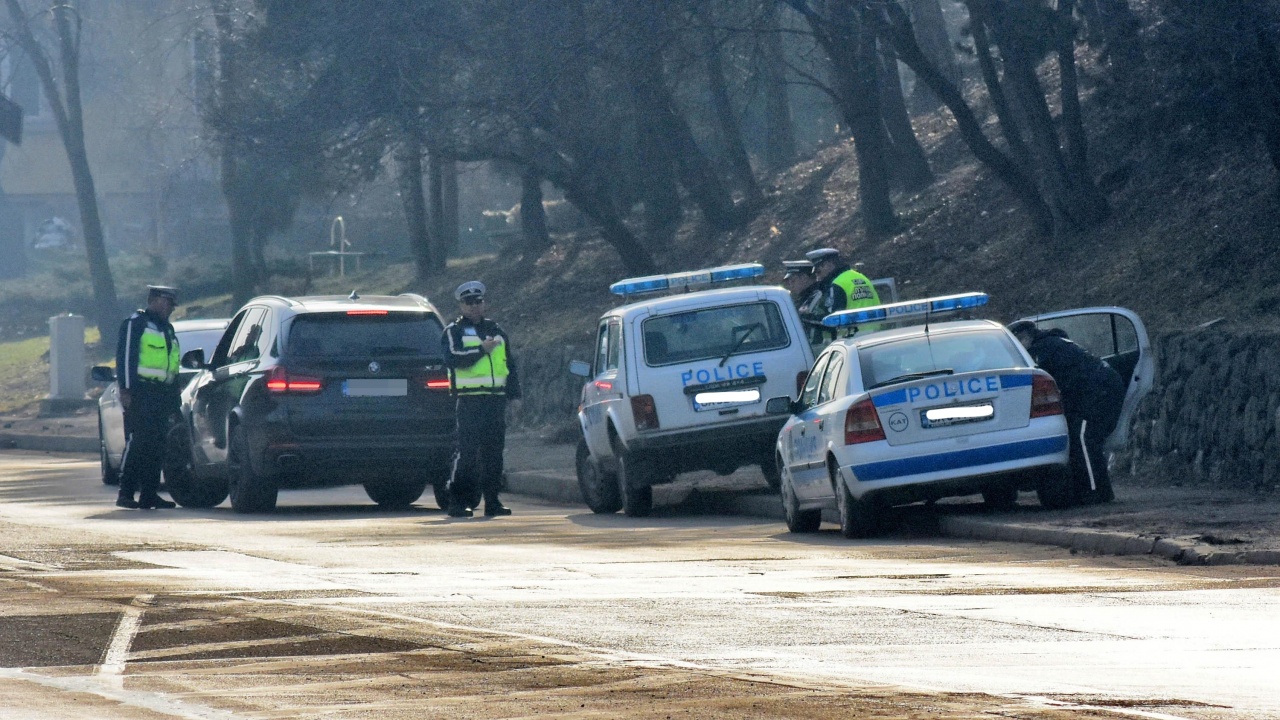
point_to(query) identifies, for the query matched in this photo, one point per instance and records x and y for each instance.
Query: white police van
(937, 409)
(679, 383)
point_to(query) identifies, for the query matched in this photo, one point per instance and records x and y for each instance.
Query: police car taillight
(861, 424)
(280, 381)
(1046, 399)
(645, 412)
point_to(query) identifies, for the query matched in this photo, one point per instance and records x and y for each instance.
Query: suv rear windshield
(714, 332)
(959, 352)
(342, 335)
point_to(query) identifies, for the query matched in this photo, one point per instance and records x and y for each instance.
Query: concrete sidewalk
(1184, 524)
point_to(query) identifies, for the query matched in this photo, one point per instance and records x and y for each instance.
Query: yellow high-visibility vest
(488, 376)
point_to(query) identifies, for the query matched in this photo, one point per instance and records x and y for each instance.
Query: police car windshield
(714, 333)
(914, 357)
(342, 335)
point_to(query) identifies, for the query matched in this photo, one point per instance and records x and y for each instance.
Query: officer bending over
(1092, 397)
(147, 357)
(484, 378)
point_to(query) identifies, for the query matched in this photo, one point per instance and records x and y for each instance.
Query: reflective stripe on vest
(158, 361)
(487, 376)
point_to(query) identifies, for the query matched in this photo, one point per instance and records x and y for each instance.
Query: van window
(959, 352)
(714, 332)
(341, 335)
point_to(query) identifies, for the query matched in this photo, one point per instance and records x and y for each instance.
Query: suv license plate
(391, 387)
(721, 399)
(956, 415)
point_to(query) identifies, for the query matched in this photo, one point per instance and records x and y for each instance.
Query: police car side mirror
(193, 360)
(580, 368)
(782, 405)
(102, 373)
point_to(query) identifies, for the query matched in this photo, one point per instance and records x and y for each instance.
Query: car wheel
(769, 468)
(634, 482)
(798, 521)
(179, 476)
(857, 517)
(1002, 497)
(438, 476)
(396, 494)
(250, 492)
(599, 490)
(110, 475)
(1054, 489)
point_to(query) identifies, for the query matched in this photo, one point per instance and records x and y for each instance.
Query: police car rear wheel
(857, 517)
(249, 491)
(769, 468)
(180, 480)
(599, 490)
(798, 521)
(1004, 497)
(1054, 489)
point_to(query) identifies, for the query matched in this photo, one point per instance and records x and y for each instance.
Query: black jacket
(457, 356)
(1090, 387)
(127, 350)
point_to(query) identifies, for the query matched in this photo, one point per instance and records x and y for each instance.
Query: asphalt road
(333, 608)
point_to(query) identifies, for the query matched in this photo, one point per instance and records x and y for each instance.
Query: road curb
(49, 443)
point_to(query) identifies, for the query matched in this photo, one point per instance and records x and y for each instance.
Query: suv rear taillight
(1045, 397)
(861, 425)
(280, 381)
(433, 381)
(645, 412)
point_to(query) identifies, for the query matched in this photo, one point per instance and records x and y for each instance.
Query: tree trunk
(897, 27)
(911, 165)
(449, 197)
(614, 231)
(1004, 114)
(415, 205)
(1069, 92)
(533, 217)
(727, 119)
(437, 203)
(69, 118)
(656, 174)
(935, 41)
(780, 139)
(241, 220)
(1267, 98)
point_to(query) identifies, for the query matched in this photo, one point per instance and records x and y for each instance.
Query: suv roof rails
(420, 299)
(287, 301)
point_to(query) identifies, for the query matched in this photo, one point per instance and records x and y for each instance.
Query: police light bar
(905, 310)
(684, 280)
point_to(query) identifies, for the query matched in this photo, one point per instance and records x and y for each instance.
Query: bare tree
(63, 95)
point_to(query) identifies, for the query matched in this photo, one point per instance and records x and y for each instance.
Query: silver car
(192, 335)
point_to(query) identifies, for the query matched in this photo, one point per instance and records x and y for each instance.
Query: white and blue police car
(936, 409)
(679, 383)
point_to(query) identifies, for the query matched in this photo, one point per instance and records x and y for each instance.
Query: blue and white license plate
(721, 399)
(388, 387)
(956, 415)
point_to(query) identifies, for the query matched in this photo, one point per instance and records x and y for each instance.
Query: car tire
(634, 482)
(600, 491)
(1001, 497)
(798, 521)
(250, 492)
(1053, 489)
(772, 475)
(396, 494)
(110, 475)
(180, 479)
(857, 517)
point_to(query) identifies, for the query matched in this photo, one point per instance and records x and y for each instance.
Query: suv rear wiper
(750, 329)
(913, 376)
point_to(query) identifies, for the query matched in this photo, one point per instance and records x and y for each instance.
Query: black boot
(494, 508)
(458, 510)
(126, 501)
(153, 501)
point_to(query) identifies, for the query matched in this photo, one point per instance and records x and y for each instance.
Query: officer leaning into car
(147, 358)
(484, 378)
(1092, 397)
(842, 287)
(800, 281)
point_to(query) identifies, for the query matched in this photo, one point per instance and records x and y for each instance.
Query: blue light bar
(686, 280)
(905, 310)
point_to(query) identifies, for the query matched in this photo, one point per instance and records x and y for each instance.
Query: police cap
(822, 255)
(1022, 326)
(162, 291)
(470, 290)
(797, 267)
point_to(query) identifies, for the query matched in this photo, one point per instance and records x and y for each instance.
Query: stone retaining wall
(1212, 416)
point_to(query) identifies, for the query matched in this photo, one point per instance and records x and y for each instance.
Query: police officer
(147, 357)
(484, 378)
(1092, 397)
(799, 280)
(842, 287)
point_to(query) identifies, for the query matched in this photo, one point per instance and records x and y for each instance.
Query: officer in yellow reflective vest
(147, 357)
(843, 288)
(484, 379)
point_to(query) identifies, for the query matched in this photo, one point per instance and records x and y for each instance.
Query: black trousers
(1091, 481)
(482, 436)
(146, 423)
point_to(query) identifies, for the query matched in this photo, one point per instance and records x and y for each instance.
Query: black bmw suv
(315, 392)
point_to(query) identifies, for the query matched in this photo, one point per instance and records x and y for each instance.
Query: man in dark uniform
(842, 287)
(147, 357)
(1092, 397)
(806, 293)
(484, 379)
